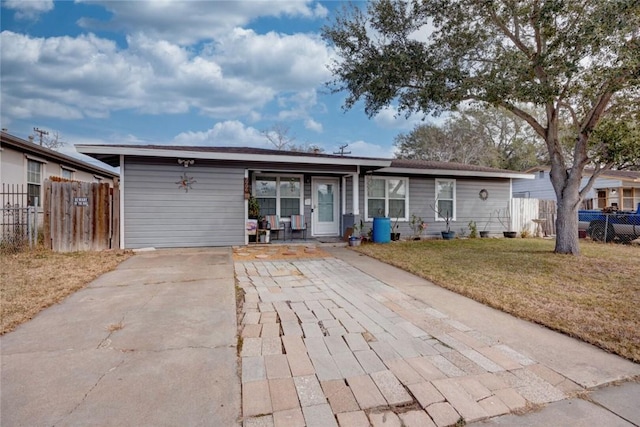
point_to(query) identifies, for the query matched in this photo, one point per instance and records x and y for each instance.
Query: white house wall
(159, 213)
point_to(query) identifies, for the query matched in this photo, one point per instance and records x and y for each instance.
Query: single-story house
(619, 188)
(25, 165)
(188, 196)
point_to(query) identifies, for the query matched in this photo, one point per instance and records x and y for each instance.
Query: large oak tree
(576, 60)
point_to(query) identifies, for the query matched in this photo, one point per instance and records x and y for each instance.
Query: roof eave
(36, 150)
(451, 172)
(212, 155)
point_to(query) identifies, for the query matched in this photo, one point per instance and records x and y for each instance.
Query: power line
(41, 132)
(342, 152)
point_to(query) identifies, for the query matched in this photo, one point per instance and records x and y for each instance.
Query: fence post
(606, 227)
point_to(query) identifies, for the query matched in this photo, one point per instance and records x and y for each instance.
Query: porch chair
(298, 224)
(275, 224)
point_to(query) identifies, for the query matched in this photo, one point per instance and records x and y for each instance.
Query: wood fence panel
(78, 216)
(523, 212)
(547, 212)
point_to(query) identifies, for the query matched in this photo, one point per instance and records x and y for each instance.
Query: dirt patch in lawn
(31, 281)
(277, 252)
(594, 297)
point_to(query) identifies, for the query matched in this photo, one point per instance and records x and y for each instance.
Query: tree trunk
(567, 241)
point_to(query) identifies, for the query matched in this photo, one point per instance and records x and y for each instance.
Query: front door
(325, 216)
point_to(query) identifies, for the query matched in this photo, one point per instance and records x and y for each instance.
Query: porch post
(356, 192)
(343, 195)
(246, 213)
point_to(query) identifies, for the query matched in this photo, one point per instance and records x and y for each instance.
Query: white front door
(325, 216)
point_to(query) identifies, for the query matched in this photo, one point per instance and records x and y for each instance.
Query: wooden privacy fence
(81, 216)
(525, 211)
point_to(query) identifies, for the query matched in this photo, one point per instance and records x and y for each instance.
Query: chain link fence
(613, 227)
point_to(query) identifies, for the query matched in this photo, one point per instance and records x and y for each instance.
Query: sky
(212, 73)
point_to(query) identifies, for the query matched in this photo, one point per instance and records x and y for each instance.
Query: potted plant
(355, 239)
(446, 216)
(504, 217)
(395, 234)
(417, 226)
(254, 208)
(484, 233)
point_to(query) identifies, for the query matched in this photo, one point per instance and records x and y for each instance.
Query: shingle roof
(238, 150)
(426, 164)
(35, 149)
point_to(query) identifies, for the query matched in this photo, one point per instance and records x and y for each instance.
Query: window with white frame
(34, 182)
(279, 195)
(445, 199)
(386, 196)
(66, 173)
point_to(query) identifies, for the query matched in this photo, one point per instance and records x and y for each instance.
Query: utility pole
(342, 152)
(41, 132)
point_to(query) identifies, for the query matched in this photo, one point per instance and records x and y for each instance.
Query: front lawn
(31, 281)
(594, 297)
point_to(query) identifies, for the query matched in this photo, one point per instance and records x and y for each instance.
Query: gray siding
(469, 206)
(159, 214)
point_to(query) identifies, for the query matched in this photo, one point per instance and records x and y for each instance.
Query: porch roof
(110, 154)
(425, 167)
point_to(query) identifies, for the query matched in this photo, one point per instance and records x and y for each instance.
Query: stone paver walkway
(324, 344)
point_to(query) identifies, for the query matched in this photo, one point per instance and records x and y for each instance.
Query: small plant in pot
(445, 214)
(355, 239)
(504, 217)
(395, 234)
(485, 233)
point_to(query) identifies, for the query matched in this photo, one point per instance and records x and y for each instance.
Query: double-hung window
(34, 182)
(279, 195)
(66, 173)
(445, 199)
(386, 196)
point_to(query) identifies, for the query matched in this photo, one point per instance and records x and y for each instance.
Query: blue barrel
(381, 230)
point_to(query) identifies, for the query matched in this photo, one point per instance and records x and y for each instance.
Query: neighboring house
(24, 166)
(611, 188)
(178, 196)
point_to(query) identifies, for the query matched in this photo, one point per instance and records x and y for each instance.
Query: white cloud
(28, 10)
(90, 76)
(390, 118)
(224, 134)
(187, 22)
(313, 125)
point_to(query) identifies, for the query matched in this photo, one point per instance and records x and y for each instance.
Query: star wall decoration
(186, 182)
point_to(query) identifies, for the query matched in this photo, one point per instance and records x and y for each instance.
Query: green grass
(594, 297)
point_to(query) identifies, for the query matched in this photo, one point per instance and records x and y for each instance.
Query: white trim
(246, 212)
(212, 155)
(447, 172)
(35, 159)
(386, 197)
(343, 196)
(314, 202)
(355, 178)
(122, 246)
(455, 210)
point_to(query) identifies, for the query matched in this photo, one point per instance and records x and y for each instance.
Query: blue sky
(179, 72)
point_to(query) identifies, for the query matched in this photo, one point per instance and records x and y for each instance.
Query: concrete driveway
(151, 343)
